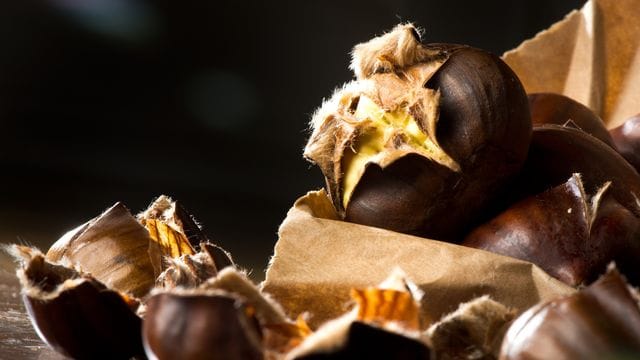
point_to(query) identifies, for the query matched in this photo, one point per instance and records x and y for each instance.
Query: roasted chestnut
(86, 295)
(424, 138)
(600, 322)
(200, 325)
(557, 152)
(568, 232)
(551, 108)
(627, 140)
(74, 313)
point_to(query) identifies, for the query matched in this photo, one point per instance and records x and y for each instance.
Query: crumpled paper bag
(319, 258)
(593, 56)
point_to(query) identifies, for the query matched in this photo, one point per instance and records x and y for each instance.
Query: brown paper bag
(593, 55)
(318, 259)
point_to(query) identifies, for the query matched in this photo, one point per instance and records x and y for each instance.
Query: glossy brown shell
(560, 232)
(551, 108)
(599, 322)
(484, 125)
(200, 326)
(557, 152)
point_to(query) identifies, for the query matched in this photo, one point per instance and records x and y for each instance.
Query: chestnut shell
(560, 232)
(551, 108)
(87, 322)
(557, 152)
(200, 326)
(599, 322)
(77, 315)
(484, 125)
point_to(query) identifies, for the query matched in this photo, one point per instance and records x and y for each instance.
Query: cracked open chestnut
(424, 138)
(87, 295)
(74, 313)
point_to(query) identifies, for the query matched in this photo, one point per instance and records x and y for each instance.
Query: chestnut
(75, 314)
(557, 152)
(601, 321)
(568, 232)
(86, 295)
(627, 140)
(558, 109)
(424, 138)
(200, 325)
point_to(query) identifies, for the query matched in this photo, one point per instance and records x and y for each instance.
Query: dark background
(206, 101)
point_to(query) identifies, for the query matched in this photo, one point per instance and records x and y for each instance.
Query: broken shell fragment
(190, 259)
(114, 249)
(551, 108)
(200, 325)
(191, 271)
(384, 324)
(474, 331)
(568, 232)
(75, 314)
(600, 322)
(280, 334)
(83, 296)
(236, 282)
(424, 138)
(129, 254)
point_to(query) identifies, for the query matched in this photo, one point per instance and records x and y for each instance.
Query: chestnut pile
(434, 140)
(151, 285)
(441, 141)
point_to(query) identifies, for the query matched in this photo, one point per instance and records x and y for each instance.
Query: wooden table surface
(18, 340)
